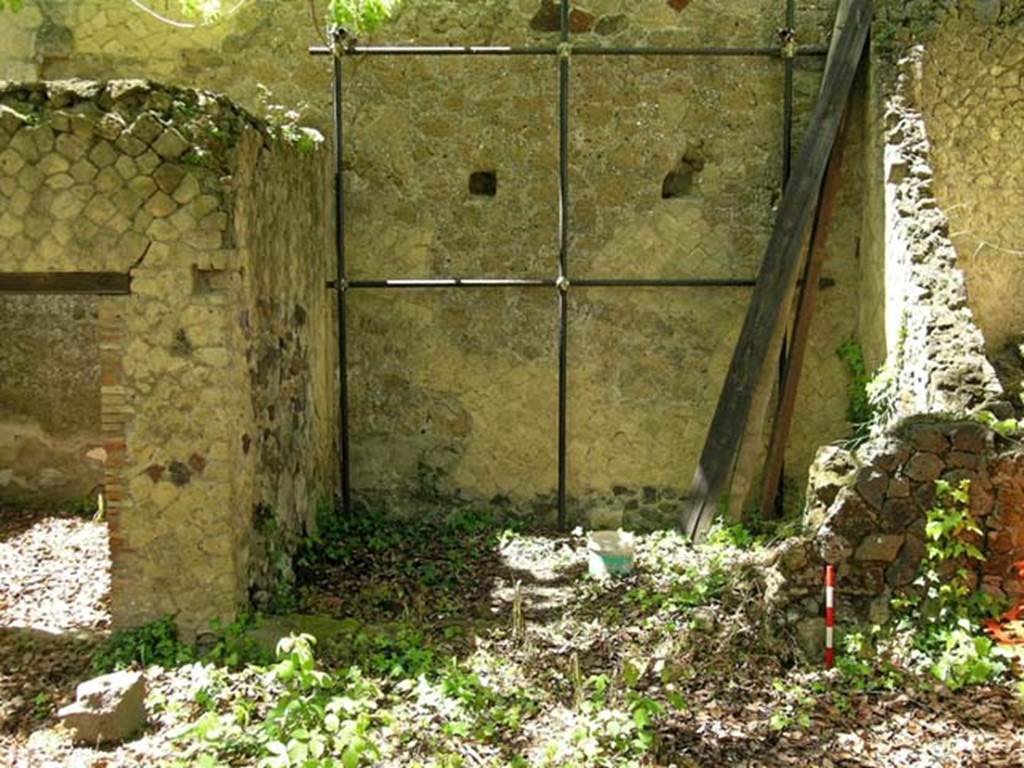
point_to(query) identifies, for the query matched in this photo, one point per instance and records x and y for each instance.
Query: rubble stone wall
(135, 178)
(866, 508)
(454, 392)
(283, 226)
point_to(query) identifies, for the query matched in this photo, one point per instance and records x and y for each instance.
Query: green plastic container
(610, 553)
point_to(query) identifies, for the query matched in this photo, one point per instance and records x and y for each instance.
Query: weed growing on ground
(317, 719)
(157, 643)
(154, 643)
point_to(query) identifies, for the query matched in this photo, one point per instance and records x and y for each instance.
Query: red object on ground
(830, 615)
(1000, 629)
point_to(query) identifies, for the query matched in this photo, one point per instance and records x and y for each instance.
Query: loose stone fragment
(107, 710)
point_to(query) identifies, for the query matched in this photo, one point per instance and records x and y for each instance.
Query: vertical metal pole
(341, 288)
(787, 99)
(787, 169)
(563, 258)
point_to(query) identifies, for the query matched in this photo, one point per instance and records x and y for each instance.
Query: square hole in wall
(421, 161)
(483, 183)
(677, 22)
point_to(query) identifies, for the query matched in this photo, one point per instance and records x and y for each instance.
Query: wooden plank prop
(801, 331)
(779, 270)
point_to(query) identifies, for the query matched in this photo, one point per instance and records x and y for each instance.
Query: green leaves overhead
(361, 16)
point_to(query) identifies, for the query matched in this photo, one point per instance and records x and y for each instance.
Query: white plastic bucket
(610, 553)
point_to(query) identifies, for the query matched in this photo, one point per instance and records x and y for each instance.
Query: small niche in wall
(681, 180)
(483, 183)
(207, 282)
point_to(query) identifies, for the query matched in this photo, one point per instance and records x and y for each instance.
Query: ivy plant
(947, 609)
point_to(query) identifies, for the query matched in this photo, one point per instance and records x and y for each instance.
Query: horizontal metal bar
(685, 282)
(463, 282)
(73, 283)
(455, 282)
(576, 50)
(772, 51)
(436, 50)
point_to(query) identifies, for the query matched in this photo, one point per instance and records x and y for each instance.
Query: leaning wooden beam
(778, 274)
(801, 330)
(82, 283)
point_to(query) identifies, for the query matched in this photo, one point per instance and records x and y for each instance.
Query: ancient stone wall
(50, 441)
(454, 393)
(128, 177)
(284, 232)
(971, 94)
(866, 507)
(936, 361)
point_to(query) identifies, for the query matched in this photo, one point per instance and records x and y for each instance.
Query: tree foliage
(356, 16)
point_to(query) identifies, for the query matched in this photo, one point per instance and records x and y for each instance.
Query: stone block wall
(454, 393)
(866, 508)
(131, 177)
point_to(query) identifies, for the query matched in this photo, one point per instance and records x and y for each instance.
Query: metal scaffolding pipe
(667, 282)
(339, 245)
(786, 52)
(579, 50)
(455, 282)
(787, 97)
(769, 52)
(563, 260)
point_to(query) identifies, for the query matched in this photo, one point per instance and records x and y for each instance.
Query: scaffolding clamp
(787, 41)
(562, 283)
(564, 50)
(342, 41)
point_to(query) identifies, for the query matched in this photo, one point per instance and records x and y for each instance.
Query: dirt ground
(519, 611)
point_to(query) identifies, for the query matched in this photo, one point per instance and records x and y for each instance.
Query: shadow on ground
(38, 674)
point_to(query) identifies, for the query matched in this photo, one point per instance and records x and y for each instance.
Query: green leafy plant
(317, 719)
(859, 411)
(860, 667)
(361, 16)
(284, 122)
(483, 712)
(794, 709)
(14, 5)
(609, 733)
(936, 624)
(691, 587)
(734, 535)
(1006, 428)
(153, 643)
(942, 617)
(233, 646)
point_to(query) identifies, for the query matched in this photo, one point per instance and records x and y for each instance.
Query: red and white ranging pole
(830, 615)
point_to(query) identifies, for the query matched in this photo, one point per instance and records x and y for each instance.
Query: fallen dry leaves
(53, 577)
